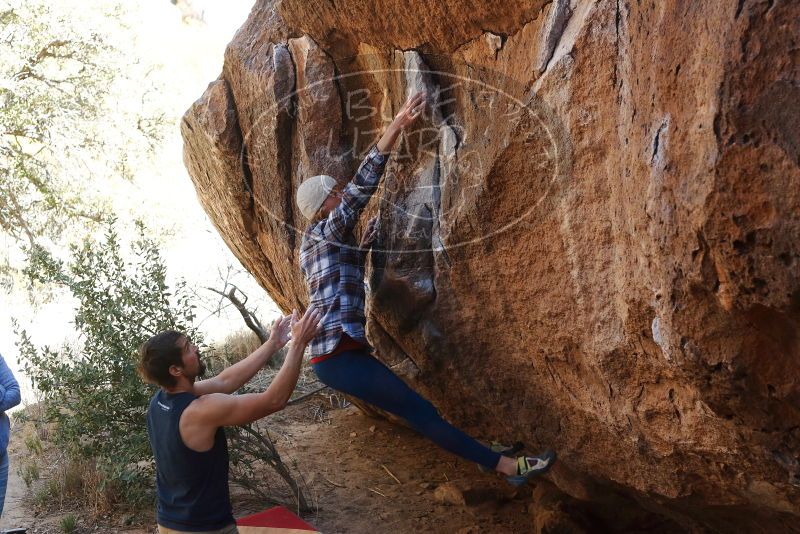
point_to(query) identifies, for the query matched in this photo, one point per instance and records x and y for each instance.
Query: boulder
(590, 242)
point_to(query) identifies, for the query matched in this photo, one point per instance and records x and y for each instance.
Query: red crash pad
(276, 520)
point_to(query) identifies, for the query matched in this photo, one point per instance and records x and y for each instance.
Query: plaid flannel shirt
(333, 264)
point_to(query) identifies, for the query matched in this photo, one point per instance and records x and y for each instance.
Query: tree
(231, 293)
(63, 125)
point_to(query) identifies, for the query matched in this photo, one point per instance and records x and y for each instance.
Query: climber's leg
(359, 374)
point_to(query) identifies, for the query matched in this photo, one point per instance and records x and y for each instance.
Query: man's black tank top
(192, 487)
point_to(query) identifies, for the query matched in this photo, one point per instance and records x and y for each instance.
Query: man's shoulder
(165, 402)
(154, 400)
(206, 403)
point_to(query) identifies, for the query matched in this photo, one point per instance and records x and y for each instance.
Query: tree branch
(250, 319)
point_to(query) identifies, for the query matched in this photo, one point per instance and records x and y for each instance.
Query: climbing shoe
(505, 450)
(530, 466)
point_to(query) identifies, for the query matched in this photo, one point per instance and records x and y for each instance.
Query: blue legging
(358, 373)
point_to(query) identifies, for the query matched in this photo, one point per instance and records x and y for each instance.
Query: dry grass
(58, 483)
(235, 347)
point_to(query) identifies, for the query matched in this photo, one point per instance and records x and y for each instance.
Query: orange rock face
(590, 242)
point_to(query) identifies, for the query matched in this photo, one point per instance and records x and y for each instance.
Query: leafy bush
(93, 392)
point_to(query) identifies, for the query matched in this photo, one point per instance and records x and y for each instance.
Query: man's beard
(201, 370)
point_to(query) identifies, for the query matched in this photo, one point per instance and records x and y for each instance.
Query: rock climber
(333, 265)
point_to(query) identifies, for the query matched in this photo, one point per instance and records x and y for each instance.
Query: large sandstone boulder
(590, 242)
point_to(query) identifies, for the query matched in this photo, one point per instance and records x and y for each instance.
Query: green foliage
(68, 523)
(93, 392)
(28, 472)
(64, 125)
(34, 444)
(44, 495)
(49, 85)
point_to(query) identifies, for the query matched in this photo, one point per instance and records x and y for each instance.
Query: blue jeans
(357, 373)
(3, 478)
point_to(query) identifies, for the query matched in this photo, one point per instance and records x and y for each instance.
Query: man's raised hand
(279, 333)
(305, 329)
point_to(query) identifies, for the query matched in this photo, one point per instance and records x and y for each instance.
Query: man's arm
(215, 410)
(219, 409)
(356, 195)
(237, 375)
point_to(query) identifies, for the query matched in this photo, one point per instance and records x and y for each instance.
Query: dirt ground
(361, 475)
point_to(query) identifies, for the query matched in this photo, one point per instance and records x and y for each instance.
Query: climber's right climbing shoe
(505, 450)
(530, 466)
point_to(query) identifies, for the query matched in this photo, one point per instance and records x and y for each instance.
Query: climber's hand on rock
(369, 234)
(410, 111)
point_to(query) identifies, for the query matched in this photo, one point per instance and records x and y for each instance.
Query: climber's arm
(356, 194)
(404, 118)
(342, 219)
